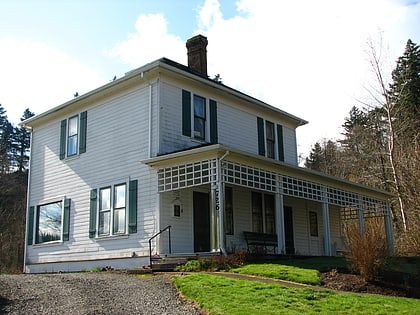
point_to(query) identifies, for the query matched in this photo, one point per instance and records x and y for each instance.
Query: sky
(308, 58)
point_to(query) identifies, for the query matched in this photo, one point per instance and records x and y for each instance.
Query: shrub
(367, 251)
(215, 263)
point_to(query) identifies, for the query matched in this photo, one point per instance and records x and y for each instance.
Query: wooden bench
(255, 239)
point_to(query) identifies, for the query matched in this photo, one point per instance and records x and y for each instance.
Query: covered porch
(211, 195)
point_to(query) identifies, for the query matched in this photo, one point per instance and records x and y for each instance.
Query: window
(228, 211)
(52, 222)
(270, 139)
(313, 223)
(263, 213)
(49, 222)
(268, 133)
(113, 210)
(73, 135)
(201, 114)
(199, 117)
(112, 218)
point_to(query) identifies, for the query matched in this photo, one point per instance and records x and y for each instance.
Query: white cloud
(150, 42)
(305, 57)
(39, 77)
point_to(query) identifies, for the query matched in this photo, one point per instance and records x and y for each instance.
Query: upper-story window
(200, 113)
(270, 139)
(199, 117)
(73, 135)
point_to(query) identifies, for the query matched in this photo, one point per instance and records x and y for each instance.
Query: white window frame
(207, 118)
(77, 117)
(112, 209)
(36, 219)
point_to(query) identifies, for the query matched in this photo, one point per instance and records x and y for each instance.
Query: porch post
(326, 221)
(389, 229)
(281, 239)
(360, 216)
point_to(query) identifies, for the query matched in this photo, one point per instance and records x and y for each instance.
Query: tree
(21, 143)
(6, 133)
(325, 158)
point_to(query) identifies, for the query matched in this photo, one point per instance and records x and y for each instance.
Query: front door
(201, 222)
(288, 231)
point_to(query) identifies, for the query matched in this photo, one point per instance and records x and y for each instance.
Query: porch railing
(168, 228)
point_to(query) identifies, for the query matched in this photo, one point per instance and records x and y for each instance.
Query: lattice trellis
(247, 176)
(187, 175)
(205, 172)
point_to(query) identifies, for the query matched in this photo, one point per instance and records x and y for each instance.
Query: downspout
(27, 205)
(220, 185)
(150, 121)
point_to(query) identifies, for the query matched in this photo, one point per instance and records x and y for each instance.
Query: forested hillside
(381, 144)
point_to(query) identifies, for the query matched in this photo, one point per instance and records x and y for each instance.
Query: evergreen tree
(404, 94)
(6, 134)
(21, 143)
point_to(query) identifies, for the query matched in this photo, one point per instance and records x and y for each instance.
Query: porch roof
(219, 151)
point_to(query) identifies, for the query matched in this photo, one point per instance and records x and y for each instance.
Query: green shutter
(30, 226)
(280, 142)
(92, 217)
(261, 138)
(63, 134)
(83, 129)
(213, 122)
(132, 207)
(66, 219)
(186, 113)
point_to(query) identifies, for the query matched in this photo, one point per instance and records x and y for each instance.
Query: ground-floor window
(263, 213)
(48, 224)
(228, 211)
(112, 210)
(313, 223)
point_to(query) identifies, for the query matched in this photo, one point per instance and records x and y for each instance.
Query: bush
(215, 263)
(367, 251)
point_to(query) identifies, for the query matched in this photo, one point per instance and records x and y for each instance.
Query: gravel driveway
(91, 293)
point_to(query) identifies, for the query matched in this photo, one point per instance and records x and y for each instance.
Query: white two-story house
(167, 146)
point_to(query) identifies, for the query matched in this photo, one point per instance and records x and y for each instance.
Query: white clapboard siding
(237, 124)
(117, 140)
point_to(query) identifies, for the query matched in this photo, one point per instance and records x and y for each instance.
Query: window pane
(72, 135)
(72, 145)
(270, 139)
(199, 107)
(257, 222)
(119, 197)
(104, 218)
(199, 126)
(119, 221)
(105, 199)
(270, 222)
(49, 222)
(313, 223)
(228, 211)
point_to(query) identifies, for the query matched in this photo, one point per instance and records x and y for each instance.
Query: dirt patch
(354, 283)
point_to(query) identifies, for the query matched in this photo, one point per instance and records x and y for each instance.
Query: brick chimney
(197, 54)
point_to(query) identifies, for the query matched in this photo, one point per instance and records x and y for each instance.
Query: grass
(282, 272)
(222, 295)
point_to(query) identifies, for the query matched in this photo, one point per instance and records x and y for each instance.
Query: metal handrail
(157, 234)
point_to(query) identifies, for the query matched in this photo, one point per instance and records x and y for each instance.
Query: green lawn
(222, 295)
(282, 272)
